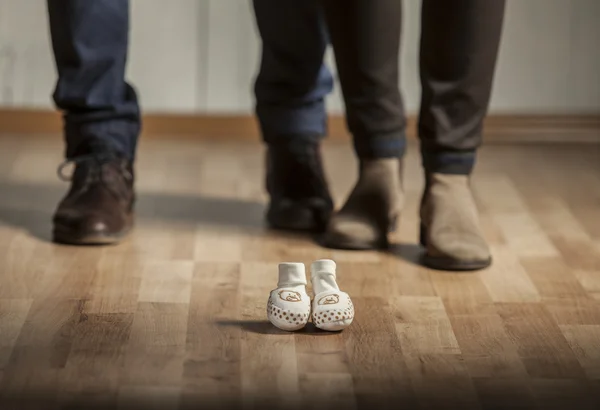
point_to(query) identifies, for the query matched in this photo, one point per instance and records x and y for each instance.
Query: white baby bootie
(332, 309)
(289, 305)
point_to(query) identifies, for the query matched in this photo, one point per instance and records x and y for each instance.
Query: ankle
(448, 162)
(95, 146)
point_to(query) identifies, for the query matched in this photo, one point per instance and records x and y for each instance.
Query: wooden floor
(175, 316)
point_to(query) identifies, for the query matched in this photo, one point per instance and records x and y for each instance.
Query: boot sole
(353, 245)
(350, 244)
(293, 226)
(69, 238)
(299, 218)
(448, 263)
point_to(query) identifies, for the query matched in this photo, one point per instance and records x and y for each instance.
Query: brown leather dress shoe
(98, 209)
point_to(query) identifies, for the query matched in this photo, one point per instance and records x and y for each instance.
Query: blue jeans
(90, 39)
(293, 82)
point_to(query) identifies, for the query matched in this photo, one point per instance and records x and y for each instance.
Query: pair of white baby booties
(289, 307)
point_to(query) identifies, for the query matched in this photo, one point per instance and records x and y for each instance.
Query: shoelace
(95, 174)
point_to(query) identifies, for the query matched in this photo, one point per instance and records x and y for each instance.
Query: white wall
(201, 56)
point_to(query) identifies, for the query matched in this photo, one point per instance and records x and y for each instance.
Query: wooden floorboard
(174, 317)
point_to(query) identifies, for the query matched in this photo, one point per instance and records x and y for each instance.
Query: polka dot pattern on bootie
(334, 314)
(291, 318)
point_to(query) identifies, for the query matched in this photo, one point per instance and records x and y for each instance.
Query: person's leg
(290, 94)
(90, 41)
(458, 52)
(101, 118)
(366, 39)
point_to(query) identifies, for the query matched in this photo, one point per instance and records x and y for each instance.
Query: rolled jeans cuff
(456, 163)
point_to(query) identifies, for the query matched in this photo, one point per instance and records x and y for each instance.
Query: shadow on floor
(264, 327)
(31, 206)
(408, 252)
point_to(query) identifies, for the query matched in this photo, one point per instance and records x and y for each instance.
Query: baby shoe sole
(336, 326)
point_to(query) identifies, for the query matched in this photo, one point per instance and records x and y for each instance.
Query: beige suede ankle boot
(450, 228)
(371, 210)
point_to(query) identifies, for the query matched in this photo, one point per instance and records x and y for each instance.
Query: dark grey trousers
(458, 52)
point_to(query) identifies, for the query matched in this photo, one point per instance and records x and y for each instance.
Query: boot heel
(423, 236)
